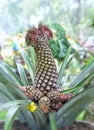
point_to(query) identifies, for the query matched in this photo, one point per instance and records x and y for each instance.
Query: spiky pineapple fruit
(46, 71)
(45, 84)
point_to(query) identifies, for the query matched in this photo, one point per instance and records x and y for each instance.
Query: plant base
(78, 125)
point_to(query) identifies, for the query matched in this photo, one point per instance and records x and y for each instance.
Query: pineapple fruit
(45, 91)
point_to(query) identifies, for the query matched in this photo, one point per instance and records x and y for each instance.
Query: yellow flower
(31, 107)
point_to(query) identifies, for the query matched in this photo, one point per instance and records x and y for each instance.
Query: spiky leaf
(69, 112)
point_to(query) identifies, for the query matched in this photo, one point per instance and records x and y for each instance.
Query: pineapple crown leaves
(34, 34)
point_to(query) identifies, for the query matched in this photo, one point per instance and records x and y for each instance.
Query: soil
(17, 126)
(84, 125)
(90, 117)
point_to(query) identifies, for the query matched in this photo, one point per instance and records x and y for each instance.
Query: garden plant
(45, 106)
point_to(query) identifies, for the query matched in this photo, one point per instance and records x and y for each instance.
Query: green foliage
(60, 44)
(56, 11)
(68, 113)
(9, 91)
(13, 77)
(81, 116)
(2, 114)
(85, 74)
(63, 66)
(92, 22)
(22, 74)
(17, 100)
(91, 17)
(29, 64)
(52, 121)
(88, 60)
(11, 114)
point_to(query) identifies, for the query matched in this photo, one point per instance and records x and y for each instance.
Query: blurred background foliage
(75, 16)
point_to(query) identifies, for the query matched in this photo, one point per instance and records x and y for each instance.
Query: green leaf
(32, 56)
(6, 80)
(89, 111)
(24, 114)
(82, 84)
(30, 120)
(29, 64)
(69, 112)
(71, 90)
(40, 118)
(13, 90)
(5, 92)
(81, 116)
(60, 44)
(82, 75)
(22, 74)
(63, 66)
(10, 117)
(7, 72)
(52, 120)
(14, 103)
(3, 79)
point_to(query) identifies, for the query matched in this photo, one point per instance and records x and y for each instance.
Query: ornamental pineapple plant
(44, 91)
(36, 100)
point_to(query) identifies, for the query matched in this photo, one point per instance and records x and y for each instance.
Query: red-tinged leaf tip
(45, 30)
(34, 34)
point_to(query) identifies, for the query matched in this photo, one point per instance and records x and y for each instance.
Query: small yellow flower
(31, 107)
